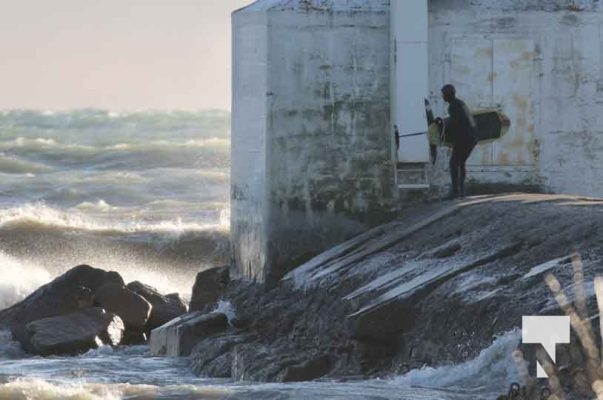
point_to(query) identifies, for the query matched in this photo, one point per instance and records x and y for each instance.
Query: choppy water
(146, 194)
(143, 193)
(130, 373)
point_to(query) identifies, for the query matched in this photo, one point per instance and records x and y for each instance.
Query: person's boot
(462, 191)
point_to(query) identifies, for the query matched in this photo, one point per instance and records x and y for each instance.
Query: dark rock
(179, 336)
(70, 292)
(220, 367)
(165, 308)
(73, 333)
(209, 287)
(308, 370)
(132, 308)
(133, 337)
(447, 250)
(254, 362)
(308, 324)
(212, 357)
(381, 323)
(405, 295)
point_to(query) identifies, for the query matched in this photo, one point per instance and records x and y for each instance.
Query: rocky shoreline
(86, 308)
(431, 288)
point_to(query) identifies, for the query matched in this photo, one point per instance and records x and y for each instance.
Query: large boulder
(70, 292)
(209, 286)
(73, 333)
(164, 308)
(132, 308)
(179, 336)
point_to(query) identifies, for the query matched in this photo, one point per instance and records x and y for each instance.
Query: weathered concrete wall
(248, 151)
(541, 61)
(328, 164)
(312, 146)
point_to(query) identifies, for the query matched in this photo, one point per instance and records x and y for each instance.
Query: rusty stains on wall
(546, 74)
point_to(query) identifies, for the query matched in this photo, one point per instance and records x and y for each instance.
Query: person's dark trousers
(460, 154)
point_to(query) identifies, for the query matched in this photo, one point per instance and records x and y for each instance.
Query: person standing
(460, 131)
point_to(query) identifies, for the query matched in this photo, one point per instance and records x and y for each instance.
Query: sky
(115, 54)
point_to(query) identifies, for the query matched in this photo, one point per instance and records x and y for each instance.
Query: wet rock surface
(84, 308)
(213, 358)
(164, 308)
(73, 333)
(179, 336)
(209, 286)
(70, 292)
(132, 308)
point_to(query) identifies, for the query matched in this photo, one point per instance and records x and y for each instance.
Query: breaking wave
(19, 279)
(494, 366)
(40, 242)
(15, 165)
(38, 215)
(25, 389)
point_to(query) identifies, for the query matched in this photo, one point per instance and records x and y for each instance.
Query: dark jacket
(461, 125)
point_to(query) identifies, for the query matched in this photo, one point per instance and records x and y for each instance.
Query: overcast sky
(115, 54)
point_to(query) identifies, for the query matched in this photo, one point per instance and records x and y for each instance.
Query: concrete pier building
(319, 84)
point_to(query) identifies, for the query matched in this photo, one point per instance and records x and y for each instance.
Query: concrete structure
(312, 155)
(312, 142)
(541, 61)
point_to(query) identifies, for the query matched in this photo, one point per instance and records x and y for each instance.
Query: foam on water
(39, 389)
(130, 373)
(493, 365)
(19, 279)
(40, 242)
(14, 165)
(142, 193)
(9, 349)
(41, 214)
(226, 308)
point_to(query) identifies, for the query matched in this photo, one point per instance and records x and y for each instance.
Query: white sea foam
(41, 214)
(14, 165)
(19, 279)
(38, 143)
(135, 145)
(100, 205)
(9, 348)
(493, 364)
(44, 390)
(226, 308)
(140, 193)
